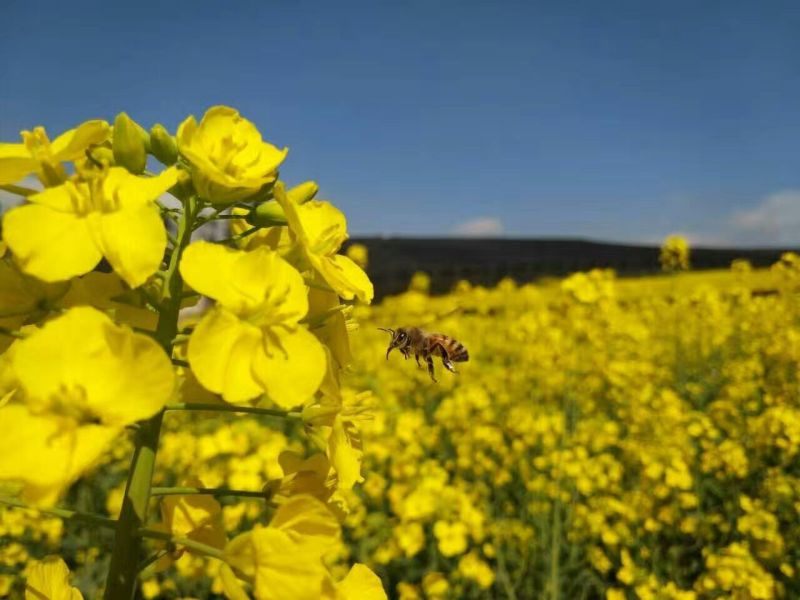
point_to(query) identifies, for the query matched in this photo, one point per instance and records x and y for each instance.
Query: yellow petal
(48, 579)
(196, 516)
(15, 163)
(82, 364)
(73, 143)
(221, 353)
(48, 244)
(320, 226)
(345, 452)
(129, 191)
(246, 283)
(344, 276)
(308, 522)
(291, 366)
(47, 454)
(280, 568)
(64, 198)
(133, 241)
(360, 584)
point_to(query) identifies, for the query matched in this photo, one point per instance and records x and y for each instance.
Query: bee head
(399, 339)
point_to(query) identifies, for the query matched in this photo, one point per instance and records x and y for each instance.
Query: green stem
(18, 190)
(216, 492)
(63, 513)
(189, 543)
(272, 412)
(125, 558)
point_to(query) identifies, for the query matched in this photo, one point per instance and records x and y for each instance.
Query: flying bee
(427, 345)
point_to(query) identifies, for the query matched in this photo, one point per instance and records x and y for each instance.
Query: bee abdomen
(458, 353)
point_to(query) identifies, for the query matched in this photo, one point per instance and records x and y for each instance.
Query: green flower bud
(162, 145)
(130, 144)
(267, 214)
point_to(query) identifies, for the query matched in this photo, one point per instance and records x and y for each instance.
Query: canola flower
(98, 367)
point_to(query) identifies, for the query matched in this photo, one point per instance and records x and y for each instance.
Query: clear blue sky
(609, 120)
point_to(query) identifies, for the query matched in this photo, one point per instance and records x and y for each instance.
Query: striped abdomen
(447, 347)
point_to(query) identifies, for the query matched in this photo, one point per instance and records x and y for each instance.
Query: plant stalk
(125, 557)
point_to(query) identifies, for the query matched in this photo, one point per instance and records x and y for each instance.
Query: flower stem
(217, 492)
(270, 412)
(189, 543)
(18, 190)
(66, 514)
(125, 557)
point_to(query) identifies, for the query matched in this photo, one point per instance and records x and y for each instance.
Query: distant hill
(392, 261)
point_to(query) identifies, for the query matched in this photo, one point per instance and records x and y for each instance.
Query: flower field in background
(632, 438)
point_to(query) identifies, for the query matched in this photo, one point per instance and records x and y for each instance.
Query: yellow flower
(250, 343)
(311, 476)
(81, 379)
(48, 579)
(64, 231)
(320, 229)
(452, 537)
(472, 567)
(435, 585)
(229, 158)
(331, 424)
(38, 155)
(194, 516)
(284, 559)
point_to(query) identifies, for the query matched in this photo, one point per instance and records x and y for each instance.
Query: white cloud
(774, 220)
(480, 227)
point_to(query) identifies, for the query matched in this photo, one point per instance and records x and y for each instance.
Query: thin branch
(69, 515)
(18, 190)
(216, 492)
(180, 363)
(191, 544)
(271, 412)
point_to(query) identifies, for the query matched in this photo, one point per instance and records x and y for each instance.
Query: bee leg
(416, 356)
(405, 353)
(448, 365)
(429, 360)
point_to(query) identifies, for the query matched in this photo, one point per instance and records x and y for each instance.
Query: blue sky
(608, 120)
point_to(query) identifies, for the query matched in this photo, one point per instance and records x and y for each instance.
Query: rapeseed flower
(65, 230)
(230, 161)
(251, 342)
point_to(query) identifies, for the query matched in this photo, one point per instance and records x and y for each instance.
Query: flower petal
(345, 452)
(82, 363)
(360, 584)
(129, 191)
(308, 522)
(15, 163)
(344, 276)
(221, 352)
(50, 245)
(291, 365)
(245, 282)
(48, 579)
(46, 453)
(72, 144)
(133, 241)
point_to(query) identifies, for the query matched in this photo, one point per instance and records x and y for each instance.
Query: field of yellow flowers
(633, 438)
(609, 438)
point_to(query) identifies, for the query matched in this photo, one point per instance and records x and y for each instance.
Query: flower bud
(162, 145)
(267, 214)
(300, 194)
(130, 144)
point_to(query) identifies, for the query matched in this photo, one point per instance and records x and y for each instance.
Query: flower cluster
(98, 362)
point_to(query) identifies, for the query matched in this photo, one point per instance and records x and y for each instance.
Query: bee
(427, 345)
